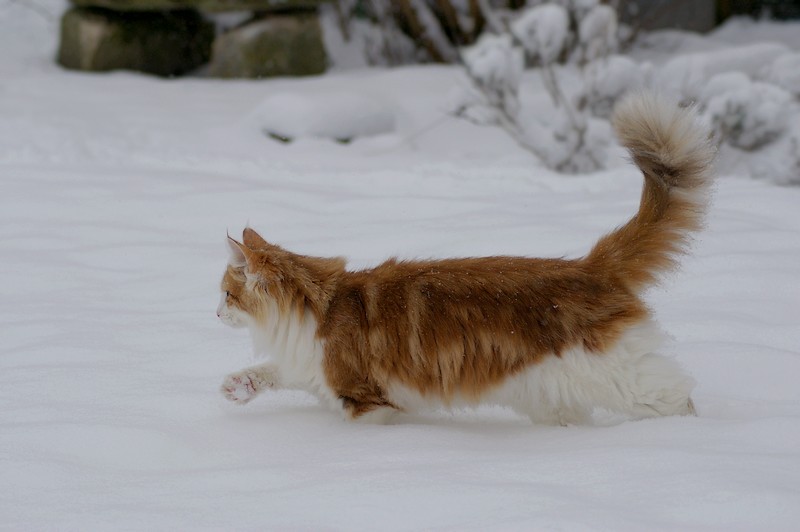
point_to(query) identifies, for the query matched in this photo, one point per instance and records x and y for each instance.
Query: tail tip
(665, 140)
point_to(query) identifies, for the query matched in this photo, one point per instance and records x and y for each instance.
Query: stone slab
(162, 43)
(278, 45)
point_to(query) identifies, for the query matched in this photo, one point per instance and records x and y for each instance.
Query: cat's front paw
(241, 387)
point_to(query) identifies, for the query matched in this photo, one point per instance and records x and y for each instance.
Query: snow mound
(342, 116)
(785, 73)
(686, 75)
(747, 114)
(756, 126)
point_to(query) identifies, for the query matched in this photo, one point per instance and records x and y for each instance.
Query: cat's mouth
(231, 320)
(229, 316)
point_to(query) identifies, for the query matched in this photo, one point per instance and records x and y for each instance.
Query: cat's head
(262, 278)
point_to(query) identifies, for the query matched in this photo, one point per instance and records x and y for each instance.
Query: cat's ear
(253, 240)
(237, 257)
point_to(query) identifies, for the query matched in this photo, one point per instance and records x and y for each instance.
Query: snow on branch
(495, 65)
(543, 32)
(568, 140)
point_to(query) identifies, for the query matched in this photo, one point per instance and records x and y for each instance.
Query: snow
(340, 116)
(608, 79)
(350, 48)
(543, 31)
(597, 32)
(117, 190)
(495, 65)
(494, 61)
(784, 72)
(749, 114)
(744, 30)
(743, 76)
(686, 74)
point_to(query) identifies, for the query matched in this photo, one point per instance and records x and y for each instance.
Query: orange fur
(458, 328)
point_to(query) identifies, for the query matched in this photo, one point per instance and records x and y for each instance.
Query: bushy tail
(673, 151)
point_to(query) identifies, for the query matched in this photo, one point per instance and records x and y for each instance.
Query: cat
(554, 339)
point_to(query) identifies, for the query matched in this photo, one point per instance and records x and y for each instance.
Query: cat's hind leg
(631, 378)
(241, 387)
(628, 378)
(656, 386)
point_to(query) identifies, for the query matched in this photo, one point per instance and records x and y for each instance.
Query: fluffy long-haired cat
(553, 339)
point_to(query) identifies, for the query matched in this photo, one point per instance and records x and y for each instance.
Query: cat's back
(535, 295)
(474, 277)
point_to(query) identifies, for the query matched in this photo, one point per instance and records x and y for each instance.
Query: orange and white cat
(553, 339)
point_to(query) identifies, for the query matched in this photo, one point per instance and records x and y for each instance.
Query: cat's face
(252, 282)
(234, 305)
(264, 282)
(239, 302)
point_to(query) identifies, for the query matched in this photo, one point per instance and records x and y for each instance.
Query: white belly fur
(630, 379)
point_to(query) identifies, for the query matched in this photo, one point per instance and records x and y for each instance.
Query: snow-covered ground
(115, 194)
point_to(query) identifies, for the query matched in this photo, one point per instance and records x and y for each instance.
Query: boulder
(162, 43)
(278, 45)
(201, 5)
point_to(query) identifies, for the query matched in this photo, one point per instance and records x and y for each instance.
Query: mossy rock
(162, 43)
(278, 45)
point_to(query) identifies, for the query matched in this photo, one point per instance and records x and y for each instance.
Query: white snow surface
(117, 190)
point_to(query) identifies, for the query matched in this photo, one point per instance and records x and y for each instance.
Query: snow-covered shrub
(542, 30)
(607, 80)
(495, 65)
(685, 76)
(755, 123)
(401, 31)
(784, 72)
(566, 139)
(597, 33)
(744, 113)
(373, 38)
(578, 8)
(570, 150)
(780, 161)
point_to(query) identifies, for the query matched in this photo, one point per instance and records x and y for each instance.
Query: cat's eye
(227, 294)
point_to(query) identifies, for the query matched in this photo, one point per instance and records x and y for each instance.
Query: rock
(279, 45)
(161, 43)
(201, 5)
